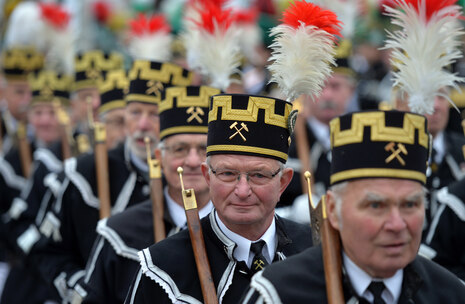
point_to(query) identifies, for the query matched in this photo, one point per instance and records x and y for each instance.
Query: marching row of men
(233, 150)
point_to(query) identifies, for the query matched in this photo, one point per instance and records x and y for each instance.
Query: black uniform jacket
(320, 162)
(445, 241)
(114, 260)
(76, 213)
(300, 279)
(168, 270)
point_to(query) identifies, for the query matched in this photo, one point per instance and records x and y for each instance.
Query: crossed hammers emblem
(154, 87)
(238, 131)
(395, 153)
(195, 112)
(259, 264)
(93, 73)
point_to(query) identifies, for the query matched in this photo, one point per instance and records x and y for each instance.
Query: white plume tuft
(211, 40)
(152, 46)
(301, 59)
(60, 52)
(25, 27)
(421, 51)
(214, 55)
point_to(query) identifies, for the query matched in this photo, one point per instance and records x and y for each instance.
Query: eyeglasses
(259, 178)
(182, 150)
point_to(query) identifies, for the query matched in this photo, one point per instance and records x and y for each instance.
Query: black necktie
(376, 288)
(259, 262)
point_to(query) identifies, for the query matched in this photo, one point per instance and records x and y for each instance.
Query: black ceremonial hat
(383, 144)
(147, 79)
(91, 66)
(48, 86)
(112, 89)
(18, 62)
(250, 125)
(185, 110)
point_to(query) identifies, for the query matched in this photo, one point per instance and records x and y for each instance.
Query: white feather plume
(301, 59)
(25, 27)
(60, 52)
(152, 46)
(215, 55)
(420, 52)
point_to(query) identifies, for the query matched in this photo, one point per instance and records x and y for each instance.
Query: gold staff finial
(180, 171)
(308, 175)
(154, 164)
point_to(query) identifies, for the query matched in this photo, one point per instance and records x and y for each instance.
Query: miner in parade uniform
(374, 211)
(76, 211)
(376, 204)
(28, 210)
(47, 87)
(248, 140)
(183, 142)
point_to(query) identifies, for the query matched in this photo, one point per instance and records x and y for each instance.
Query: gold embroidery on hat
(93, 73)
(395, 152)
(46, 92)
(195, 112)
(238, 131)
(154, 87)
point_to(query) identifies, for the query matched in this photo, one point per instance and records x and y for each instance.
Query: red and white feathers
(150, 38)
(59, 37)
(425, 45)
(303, 49)
(211, 41)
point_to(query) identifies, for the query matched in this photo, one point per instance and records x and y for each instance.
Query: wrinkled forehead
(243, 162)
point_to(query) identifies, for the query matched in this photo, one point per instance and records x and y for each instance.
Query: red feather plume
(310, 14)
(102, 11)
(55, 14)
(142, 26)
(212, 16)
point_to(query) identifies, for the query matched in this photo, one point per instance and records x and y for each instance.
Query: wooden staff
(331, 248)
(156, 195)
(303, 149)
(66, 134)
(24, 149)
(101, 167)
(198, 244)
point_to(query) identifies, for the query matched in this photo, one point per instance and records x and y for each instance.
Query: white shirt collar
(360, 281)
(242, 250)
(177, 212)
(321, 132)
(440, 147)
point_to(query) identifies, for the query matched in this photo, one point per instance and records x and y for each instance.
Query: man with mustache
(338, 91)
(376, 204)
(183, 142)
(75, 213)
(248, 140)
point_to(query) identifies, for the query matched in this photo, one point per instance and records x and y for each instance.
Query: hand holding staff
(156, 194)
(198, 244)
(331, 247)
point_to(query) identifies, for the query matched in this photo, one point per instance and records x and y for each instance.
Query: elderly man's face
(187, 151)
(334, 98)
(380, 223)
(18, 95)
(437, 121)
(43, 119)
(141, 120)
(244, 206)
